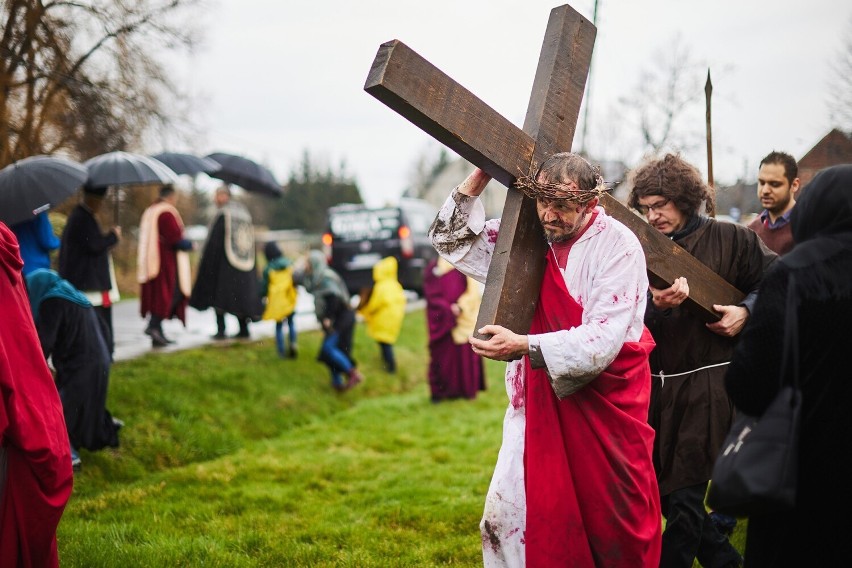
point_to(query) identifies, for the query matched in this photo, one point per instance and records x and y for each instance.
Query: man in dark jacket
(84, 257)
(690, 411)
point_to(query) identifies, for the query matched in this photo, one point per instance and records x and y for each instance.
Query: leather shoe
(219, 336)
(157, 339)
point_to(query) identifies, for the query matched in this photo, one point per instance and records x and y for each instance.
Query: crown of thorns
(563, 191)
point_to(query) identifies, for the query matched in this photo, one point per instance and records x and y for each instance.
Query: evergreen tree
(310, 191)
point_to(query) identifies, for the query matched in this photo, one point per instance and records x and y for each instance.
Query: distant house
(835, 148)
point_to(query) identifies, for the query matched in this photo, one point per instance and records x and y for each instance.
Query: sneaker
(118, 423)
(242, 335)
(355, 379)
(294, 352)
(219, 336)
(76, 462)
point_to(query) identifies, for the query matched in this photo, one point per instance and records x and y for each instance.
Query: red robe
(157, 293)
(592, 497)
(32, 429)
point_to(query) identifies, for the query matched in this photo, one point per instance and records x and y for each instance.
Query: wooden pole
(708, 91)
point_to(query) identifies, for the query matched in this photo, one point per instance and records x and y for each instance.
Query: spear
(708, 90)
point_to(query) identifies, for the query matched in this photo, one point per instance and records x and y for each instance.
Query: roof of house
(834, 148)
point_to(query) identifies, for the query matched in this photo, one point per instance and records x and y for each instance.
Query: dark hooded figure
(819, 269)
(72, 335)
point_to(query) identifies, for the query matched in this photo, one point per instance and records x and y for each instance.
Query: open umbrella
(187, 164)
(246, 173)
(35, 184)
(125, 168)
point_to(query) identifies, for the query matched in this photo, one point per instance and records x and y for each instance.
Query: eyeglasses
(645, 209)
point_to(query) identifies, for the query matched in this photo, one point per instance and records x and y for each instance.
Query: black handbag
(757, 468)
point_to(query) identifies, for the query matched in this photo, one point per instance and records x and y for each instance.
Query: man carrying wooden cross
(574, 483)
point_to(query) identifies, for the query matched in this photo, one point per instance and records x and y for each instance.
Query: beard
(561, 232)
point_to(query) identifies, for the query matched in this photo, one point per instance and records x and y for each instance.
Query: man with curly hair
(574, 482)
(690, 410)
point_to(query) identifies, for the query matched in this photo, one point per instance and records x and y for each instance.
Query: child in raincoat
(383, 312)
(280, 293)
(331, 305)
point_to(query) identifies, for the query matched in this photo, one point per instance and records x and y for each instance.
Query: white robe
(606, 275)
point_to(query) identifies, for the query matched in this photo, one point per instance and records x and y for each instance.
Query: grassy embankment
(233, 457)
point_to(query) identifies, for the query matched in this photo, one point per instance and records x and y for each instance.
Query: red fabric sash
(592, 497)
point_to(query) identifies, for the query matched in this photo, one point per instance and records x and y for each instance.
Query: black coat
(821, 265)
(73, 336)
(84, 253)
(220, 285)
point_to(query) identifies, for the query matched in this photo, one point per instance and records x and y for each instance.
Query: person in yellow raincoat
(280, 293)
(384, 311)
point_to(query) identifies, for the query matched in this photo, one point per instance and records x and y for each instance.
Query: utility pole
(587, 99)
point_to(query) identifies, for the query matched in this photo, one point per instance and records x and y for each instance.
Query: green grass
(233, 457)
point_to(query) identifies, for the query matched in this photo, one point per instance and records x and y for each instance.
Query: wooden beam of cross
(430, 99)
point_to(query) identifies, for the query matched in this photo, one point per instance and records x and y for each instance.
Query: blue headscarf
(44, 283)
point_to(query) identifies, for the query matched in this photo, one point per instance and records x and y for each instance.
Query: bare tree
(426, 167)
(663, 98)
(85, 77)
(840, 84)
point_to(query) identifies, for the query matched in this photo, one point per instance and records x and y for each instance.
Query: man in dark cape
(163, 265)
(690, 411)
(227, 280)
(35, 462)
(73, 337)
(84, 257)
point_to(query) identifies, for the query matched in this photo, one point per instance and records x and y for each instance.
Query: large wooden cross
(430, 99)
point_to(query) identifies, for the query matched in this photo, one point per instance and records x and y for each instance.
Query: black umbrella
(35, 184)
(187, 164)
(246, 173)
(125, 168)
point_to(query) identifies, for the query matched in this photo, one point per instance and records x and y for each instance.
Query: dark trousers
(387, 357)
(220, 323)
(691, 533)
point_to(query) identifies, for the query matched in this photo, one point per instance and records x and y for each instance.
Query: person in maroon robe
(163, 265)
(35, 460)
(455, 371)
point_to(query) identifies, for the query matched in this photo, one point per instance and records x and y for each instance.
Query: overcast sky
(276, 78)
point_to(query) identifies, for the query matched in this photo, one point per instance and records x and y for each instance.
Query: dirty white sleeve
(461, 234)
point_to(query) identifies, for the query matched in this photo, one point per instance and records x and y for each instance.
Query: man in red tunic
(163, 265)
(574, 483)
(35, 455)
